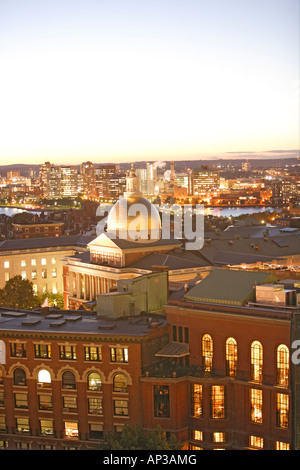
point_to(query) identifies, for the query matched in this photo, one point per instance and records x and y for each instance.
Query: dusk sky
(124, 80)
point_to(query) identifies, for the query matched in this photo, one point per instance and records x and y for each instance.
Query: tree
(18, 293)
(55, 300)
(134, 437)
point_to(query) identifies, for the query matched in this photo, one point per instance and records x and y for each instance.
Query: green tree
(134, 437)
(54, 300)
(18, 293)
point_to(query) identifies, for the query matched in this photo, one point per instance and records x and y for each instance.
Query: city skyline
(122, 81)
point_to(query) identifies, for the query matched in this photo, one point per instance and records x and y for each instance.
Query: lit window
(67, 352)
(71, 429)
(6, 264)
(94, 382)
(53, 260)
(256, 361)
(283, 365)
(197, 435)
(54, 272)
(256, 405)
(23, 263)
(93, 353)
(44, 378)
(119, 354)
(6, 277)
(34, 287)
(33, 274)
(17, 350)
(42, 351)
(256, 442)
(46, 427)
(231, 357)
(196, 400)
(22, 425)
(218, 410)
(33, 262)
(282, 445)
(218, 437)
(43, 261)
(207, 352)
(282, 407)
(54, 288)
(23, 274)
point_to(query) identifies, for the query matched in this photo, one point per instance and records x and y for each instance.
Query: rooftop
(228, 286)
(76, 322)
(45, 242)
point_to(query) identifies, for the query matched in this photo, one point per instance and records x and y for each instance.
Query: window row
(254, 442)
(44, 274)
(33, 262)
(218, 404)
(91, 353)
(94, 381)
(46, 428)
(69, 404)
(256, 359)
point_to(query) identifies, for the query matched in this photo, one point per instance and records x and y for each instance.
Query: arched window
(256, 361)
(207, 352)
(283, 361)
(44, 378)
(19, 377)
(231, 357)
(120, 383)
(94, 382)
(68, 380)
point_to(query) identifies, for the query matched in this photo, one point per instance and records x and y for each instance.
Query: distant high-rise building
(69, 181)
(50, 180)
(88, 179)
(53, 190)
(44, 170)
(110, 184)
(203, 181)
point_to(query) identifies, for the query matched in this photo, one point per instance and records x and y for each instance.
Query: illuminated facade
(67, 377)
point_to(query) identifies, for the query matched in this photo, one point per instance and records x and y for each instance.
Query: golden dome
(133, 217)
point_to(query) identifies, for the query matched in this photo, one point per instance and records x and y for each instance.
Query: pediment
(102, 241)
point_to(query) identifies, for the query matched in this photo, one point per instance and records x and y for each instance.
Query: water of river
(216, 211)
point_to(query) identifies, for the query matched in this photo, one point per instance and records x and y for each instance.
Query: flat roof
(45, 242)
(228, 286)
(76, 322)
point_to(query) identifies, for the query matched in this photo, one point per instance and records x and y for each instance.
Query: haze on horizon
(124, 80)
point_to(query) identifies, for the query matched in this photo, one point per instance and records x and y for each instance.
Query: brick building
(216, 371)
(228, 380)
(34, 230)
(66, 378)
